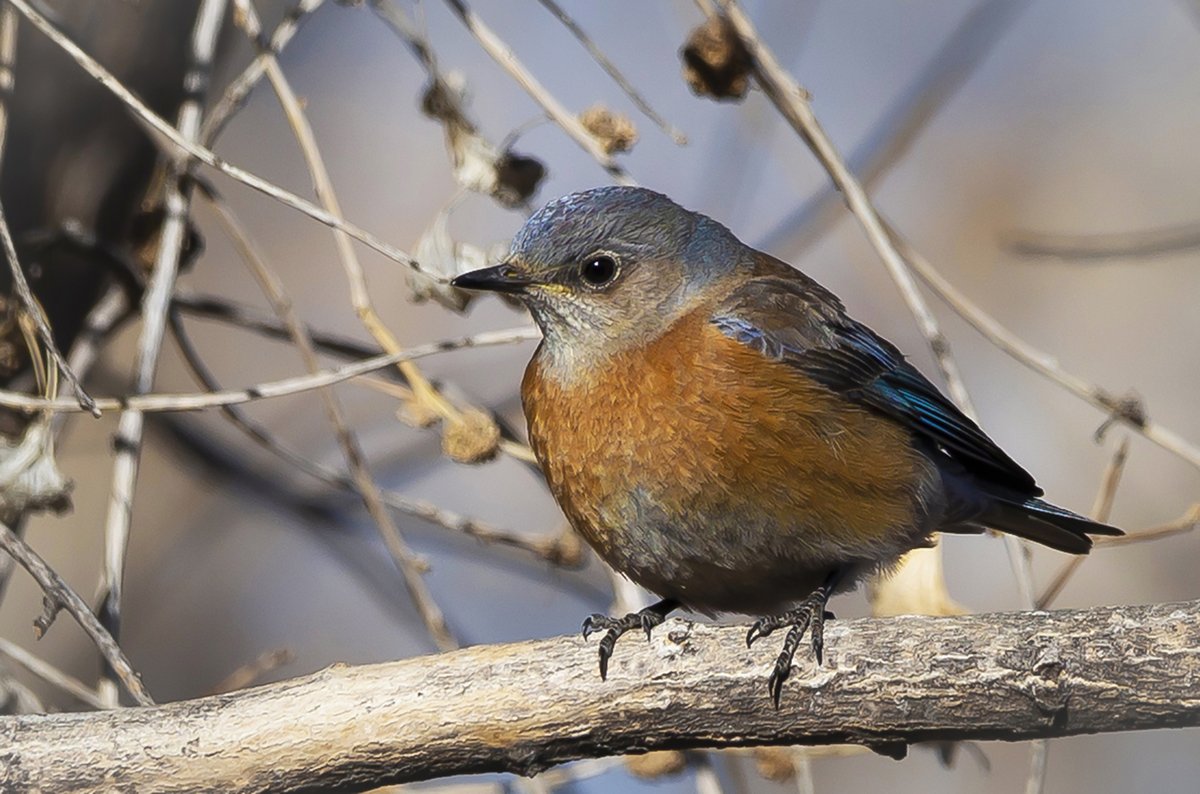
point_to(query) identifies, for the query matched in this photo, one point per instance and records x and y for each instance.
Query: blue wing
(792, 319)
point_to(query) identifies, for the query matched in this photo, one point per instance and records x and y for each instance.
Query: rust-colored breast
(720, 453)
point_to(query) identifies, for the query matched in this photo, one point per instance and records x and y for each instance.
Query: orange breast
(699, 448)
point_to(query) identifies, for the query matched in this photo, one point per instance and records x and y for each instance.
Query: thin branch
(58, 595)
(343, 347)
(147, 403)
(902, 124)
(244, 316)
(1129, 412)
(239, 88)
(1120, 245)
(561, 549)
(503, 55)
(272, 286)
(793, 103)
(1101, 510)
(178, 143)
(885, 683)
(424, 395)
(29, 304)
(1188, 522)
(155, 302)
(608, 66)
(50, 674)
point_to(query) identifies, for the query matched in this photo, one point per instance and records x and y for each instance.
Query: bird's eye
(599, 270)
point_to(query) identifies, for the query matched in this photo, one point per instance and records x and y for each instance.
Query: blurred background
(1018, 123)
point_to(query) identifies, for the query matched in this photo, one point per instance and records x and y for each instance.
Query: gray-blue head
(611, 266)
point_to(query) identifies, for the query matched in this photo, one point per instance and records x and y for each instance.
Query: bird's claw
(809, 616)
(595, 622)
(613, 628)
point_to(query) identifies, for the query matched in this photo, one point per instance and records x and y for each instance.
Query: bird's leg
(809, 615)
(613, 628)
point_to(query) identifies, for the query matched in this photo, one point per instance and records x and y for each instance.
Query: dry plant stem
(1122, 245)
(29, 304)
(57, 595)
(363, 482)
(155, 302)
(890, 140)
(1042, 362)
(1101, 510)
(50, 674)
(503, 55)
(793, 103)
(170, 139)
(360, 296)
(326, 342)
(1188, 522)
(104, 316)
(279, 388)
(240, 87)
(545, 549)
(526, 706)
(608, 66)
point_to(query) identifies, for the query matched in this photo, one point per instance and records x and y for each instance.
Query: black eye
(599, 270)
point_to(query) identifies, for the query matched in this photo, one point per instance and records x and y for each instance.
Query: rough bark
(525, 706)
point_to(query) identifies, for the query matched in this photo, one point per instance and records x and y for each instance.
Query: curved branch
(525, 706)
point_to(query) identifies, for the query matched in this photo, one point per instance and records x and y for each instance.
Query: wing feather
(795, 321)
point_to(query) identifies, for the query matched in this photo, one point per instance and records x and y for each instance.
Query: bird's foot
(810, 615)
(613, 628)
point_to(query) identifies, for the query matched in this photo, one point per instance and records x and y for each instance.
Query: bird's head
(609, 268)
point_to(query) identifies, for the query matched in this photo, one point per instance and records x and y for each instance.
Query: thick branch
(525, 706)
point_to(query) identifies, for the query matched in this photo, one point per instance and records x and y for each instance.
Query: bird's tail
(1038, 520)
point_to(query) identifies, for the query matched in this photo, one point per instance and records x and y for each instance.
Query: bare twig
(793, 103)
(272, 286)
(50, 674)
(1101, 510)
(892, 137)
(29, 304)
(503, 55)
(561, 549)
(425, 396)
(1121, 245)
(178, 143)
(59, 595)
(155, 302)
(608, 66)
(240, 87)
(1188, 522)
(279, 388)
(1129, 412)
(526, 706)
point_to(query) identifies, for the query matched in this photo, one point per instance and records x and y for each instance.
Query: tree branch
(525, 706)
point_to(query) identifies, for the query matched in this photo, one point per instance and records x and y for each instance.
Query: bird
(719, 430)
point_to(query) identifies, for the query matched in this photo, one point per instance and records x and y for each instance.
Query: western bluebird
(719, 430)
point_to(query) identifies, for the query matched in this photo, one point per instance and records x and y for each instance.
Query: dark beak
(498, 278)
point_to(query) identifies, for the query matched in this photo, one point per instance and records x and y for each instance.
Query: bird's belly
(701, 484)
